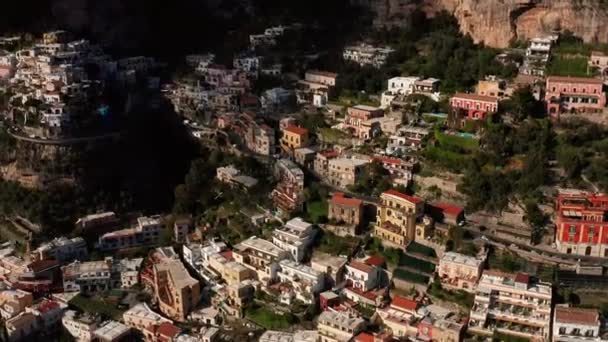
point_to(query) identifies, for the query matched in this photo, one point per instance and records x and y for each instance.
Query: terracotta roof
(339, 199)
(296, 130)
(475, 97)
(361, 266)
(364, 337)
(47, 306)
(522, 278)
(447, 208)
(576, 315)
(404, 303)
(389, 160)
(568, 79)
(42, 265)
(227, 255)
(375, 261)
(329, 154)
(167, 329)
(409, 198)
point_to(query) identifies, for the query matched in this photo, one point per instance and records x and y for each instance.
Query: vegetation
(417, 248)
(459, 297)
(96, 306)
(332, 244)
(268, 319)
(410, 276)
(375, 180)
(568, 66)
(418, 264)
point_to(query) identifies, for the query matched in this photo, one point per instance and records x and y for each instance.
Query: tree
(534, 216)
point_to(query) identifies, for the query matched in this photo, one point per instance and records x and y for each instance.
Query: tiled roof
(364, 337)
(404, 303)
(168, 329)
(522, 278)
(296, 130)
(447, 208)
(409, 198)
(475, 97)
(361, 266)
(339, 199)
(568, 79)
(576, 315)
(377, 261)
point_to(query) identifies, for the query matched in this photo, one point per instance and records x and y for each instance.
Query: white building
(338, 326)
(101, 275)
(504, 298)
(459, 270)
(306, 282)
(146, 232)
(111, 331)
(250, 64)
(140, 317)
(576, 324)
(80, 326)
(364, 54)
(362, 276)
(397, 86)
(62, 249)
(259, 255)
(295, 236)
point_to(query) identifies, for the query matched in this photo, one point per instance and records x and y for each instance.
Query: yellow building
(294, 137)
(176, 292)
(397, 217)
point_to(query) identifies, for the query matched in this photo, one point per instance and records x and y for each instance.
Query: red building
(574, 95)
(582, 224)
(476, 107)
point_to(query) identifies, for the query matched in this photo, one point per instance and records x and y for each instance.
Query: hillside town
(318, 210)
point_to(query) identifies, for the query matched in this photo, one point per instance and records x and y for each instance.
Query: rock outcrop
(497, 22)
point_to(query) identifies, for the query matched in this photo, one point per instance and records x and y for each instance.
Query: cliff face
(497, 22)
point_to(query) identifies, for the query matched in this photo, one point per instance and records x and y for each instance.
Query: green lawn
(417, 248)
(336, 245)
(268, 319)
(567, 66)
(410, 276)
(449, 140)
(444, 158)
(420, 265)
(317, 210)
(96, 306)
(459, 297)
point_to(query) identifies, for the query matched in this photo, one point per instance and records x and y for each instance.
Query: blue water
(466, 135)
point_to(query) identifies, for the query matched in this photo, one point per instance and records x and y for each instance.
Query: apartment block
(80, 326)
(176, 292)
(300, 281)
(343, 172)
(101, 275)
(475, 107)
(140, 317)
(362, 276)
(576, 324)
(295, 237)
(321, 163)
(574, 95)
(400, 316)
(460, 271)
(398, 219)
(358, 121)
(345, 210)
(512, 304)
(365, 54)
(146, 232)
(230, 175)
(62, 249)
(261, 256)
(338, 326)
(288, 195)
(581, 223)
(14, 302)
(294, 137)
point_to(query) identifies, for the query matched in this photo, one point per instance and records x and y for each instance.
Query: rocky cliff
(497, 22)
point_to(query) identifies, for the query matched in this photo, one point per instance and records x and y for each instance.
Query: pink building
(357, 119)
(475, 106)
(574, 95)
(321, 77)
